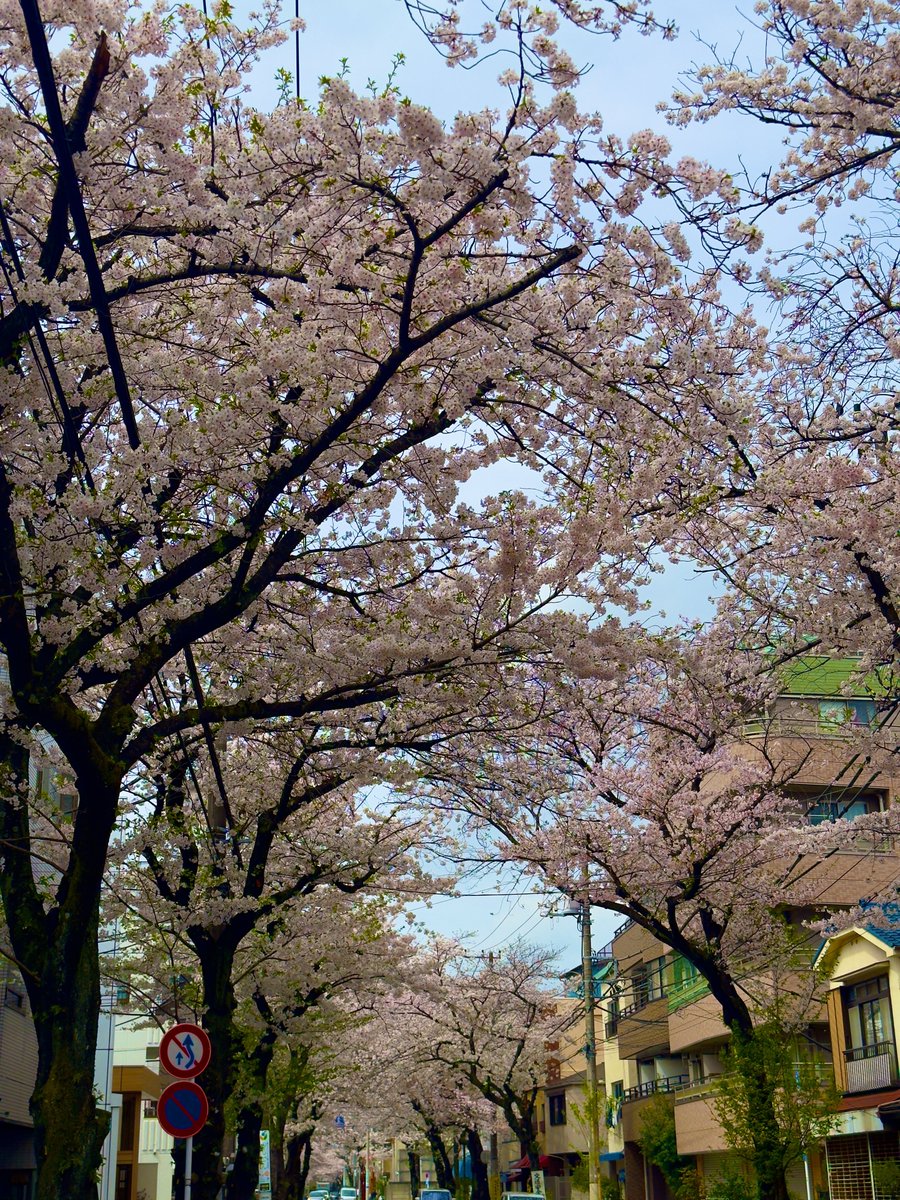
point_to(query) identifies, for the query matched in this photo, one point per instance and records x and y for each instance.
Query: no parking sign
(182, 1108)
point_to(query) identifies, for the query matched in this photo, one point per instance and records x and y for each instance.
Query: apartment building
(143, 1159)
(863, 965)
(663, 1033)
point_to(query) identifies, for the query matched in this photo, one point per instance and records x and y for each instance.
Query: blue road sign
(182, 1109)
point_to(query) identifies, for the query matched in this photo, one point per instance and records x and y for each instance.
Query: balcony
(871, 1067)
(666, 1083)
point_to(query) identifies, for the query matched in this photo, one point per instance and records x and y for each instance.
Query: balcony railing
(641, 1002)
(871, 1067)
(668, 1083)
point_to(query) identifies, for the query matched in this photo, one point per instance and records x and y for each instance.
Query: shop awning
(612, 1155)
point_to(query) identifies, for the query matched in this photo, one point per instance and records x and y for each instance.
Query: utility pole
(590, 1049)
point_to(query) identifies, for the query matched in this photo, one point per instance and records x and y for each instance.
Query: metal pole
(806, 1172)
(590, 1050)
(188, 1167)
(368, 1162)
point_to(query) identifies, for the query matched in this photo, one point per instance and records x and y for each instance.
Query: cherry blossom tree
(250, 357)
(490, 1020)
(806, 530)
(266, 922)
(663, 791)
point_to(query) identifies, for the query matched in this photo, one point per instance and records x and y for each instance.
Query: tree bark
(443, 1167)
(57, 949)
(480, 1186)
(292, 1180)
(412, 1158)
(244, 1177)
(216, 957)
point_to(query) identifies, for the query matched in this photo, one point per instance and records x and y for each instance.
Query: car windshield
(434, 1194)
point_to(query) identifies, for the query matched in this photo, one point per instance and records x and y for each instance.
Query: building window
(649, 981)
(151, 1054)
(129, 1113)
(835, 713)
(14, 997)
(68, 802)
(869, 1013)
(841, 804)
(557, 1106)
(150, 1108)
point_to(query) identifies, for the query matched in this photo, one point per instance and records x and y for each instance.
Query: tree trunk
(244, 1177)
(292, 1179)
(442, 1165)
(412, 1158)
(57, 949)
(767, 1159)
(69, 1128)
(216, 957)
(480, 1187)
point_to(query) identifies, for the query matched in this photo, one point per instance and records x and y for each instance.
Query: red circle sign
(183, 1108)
(185, 1051)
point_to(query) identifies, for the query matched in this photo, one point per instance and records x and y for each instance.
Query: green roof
(820, 675)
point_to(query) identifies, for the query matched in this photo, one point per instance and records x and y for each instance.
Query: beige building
(863, 1010)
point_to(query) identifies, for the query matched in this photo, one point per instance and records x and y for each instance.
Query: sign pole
(188, 1166)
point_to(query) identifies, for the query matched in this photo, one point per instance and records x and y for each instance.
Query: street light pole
(590, 1049)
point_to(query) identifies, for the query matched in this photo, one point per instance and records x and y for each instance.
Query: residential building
(863, 964)
(143, 1160)
(663, 1032)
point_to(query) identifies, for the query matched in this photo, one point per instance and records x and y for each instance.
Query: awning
(874, 1100)
(612, 1155)
(137, 1079)
(546, 1162)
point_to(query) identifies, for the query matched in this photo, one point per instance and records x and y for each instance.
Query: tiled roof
(886, 923)
(867, 1100)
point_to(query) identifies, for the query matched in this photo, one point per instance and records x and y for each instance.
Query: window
(612, 1016)
(869, 1013)
(557, 1106)
(67, 803)
(649, 981)
(150, 1108)
(841, 804)
(835, 713)
(129, 1113)
(151, 1054)
(684, 973)
(14, 997)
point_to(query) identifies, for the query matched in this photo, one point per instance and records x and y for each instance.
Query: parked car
(349, 1193)
(520, 1196)
(318, 1193)
(435, 1194)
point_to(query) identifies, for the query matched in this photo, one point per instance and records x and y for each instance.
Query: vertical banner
(538, 1186)
(265, 1165)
